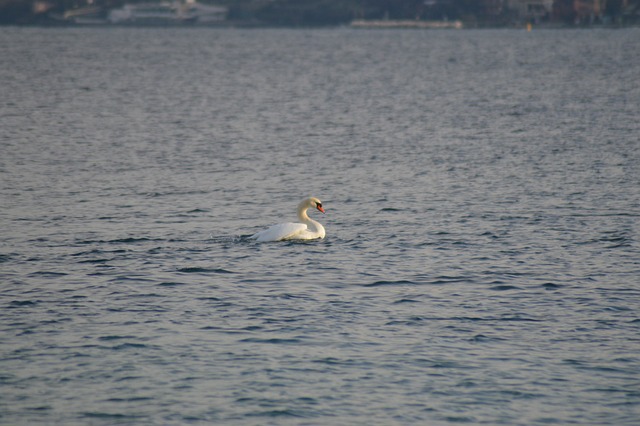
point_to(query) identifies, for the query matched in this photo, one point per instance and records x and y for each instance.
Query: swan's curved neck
(304, 218)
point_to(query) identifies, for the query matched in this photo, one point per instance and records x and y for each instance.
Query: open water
(482, 259)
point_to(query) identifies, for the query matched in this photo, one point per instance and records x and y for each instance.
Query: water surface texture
(482, 258)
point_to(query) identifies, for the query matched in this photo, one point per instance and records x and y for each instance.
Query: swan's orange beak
(320, 208)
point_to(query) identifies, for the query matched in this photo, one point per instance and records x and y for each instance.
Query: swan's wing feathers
(282, 231)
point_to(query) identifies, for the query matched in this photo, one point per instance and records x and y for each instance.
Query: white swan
(309, 229)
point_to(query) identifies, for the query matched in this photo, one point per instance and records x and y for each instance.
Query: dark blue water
(482, 258)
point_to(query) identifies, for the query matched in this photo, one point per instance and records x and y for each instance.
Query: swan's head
(315, 203)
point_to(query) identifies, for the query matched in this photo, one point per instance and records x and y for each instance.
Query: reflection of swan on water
(309, 229)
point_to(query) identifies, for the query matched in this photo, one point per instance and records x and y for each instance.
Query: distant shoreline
(358, 26)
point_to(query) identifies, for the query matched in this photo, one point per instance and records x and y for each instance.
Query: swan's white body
(309, 229)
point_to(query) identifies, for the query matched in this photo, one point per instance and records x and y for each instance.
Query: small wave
(198, 270)
(109, 338)
(110, 416)
(126, 346)
(129, 240)
(505, 288)
(133, 278)
(156, 194)
(170, 284)
(276, 413)
(131, 399)
(419, 319)
(440, 280)
(389, 283)
(97, 251)
(40, 408)
(516, 319)
(446, 279)
(275, 341)
(481, 338)
(22, 303)
(415, 320)
(128, 378)
(95, 261)
(226, 239)
(612, 239)
(49, 274)
(551, 286)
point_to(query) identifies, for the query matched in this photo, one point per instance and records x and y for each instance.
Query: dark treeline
(339, 12)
